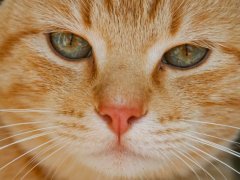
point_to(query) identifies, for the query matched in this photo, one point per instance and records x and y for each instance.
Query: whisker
(213, 158)
(14, 160)
(42, 152)
(234, 142)
(209, 162)
(54, 152)
(26, 111)
(214, 145)
(211, 123)
(169, 159)
(60, 165)
(24, 123)
(190, 167)
(25, 139)
(22, 133)
(197, 164)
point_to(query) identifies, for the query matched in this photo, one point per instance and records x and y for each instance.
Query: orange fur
(129, 38)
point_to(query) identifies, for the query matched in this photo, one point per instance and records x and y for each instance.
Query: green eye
(70, 46)
(185, 56)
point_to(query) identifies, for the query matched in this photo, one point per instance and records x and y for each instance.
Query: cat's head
(129, 88)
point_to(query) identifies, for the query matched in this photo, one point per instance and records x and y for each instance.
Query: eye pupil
(70, 46)
(185, 56)
(186, 49)
(71, 39)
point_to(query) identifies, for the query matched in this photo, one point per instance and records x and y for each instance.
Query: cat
(119, 89)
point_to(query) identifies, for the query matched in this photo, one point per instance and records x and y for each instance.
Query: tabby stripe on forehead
(109, 5)
(86, 9)
(156, 4)
(176, 10)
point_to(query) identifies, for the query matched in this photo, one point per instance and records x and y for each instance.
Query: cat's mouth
(118, 151)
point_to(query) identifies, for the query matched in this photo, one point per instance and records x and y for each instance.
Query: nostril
(107, 118)
(131, 120)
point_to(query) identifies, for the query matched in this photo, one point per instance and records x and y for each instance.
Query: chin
(123, 165)
(120, 162)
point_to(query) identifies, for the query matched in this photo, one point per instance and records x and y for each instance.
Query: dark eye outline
(57, 53)
(198, 63)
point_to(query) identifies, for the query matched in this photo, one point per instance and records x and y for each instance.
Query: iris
(70, 46)
(185, 56)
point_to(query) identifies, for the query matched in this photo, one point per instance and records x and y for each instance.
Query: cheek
(30, 81)
(215, 92)
(201, 86)
(200, 99)
(211, 102)
(74, 100)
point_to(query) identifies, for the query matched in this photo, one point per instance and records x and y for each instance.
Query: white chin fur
(123, 165)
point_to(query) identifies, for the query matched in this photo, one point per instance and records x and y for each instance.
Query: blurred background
(236, 161)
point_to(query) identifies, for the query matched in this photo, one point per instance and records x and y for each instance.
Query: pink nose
(120, 118)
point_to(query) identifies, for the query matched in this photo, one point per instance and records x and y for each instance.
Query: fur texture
(192, 115)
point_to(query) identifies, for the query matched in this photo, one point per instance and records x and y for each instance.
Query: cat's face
(91, 102)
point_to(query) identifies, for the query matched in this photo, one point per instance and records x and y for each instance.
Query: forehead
(138, 22)
(138, 15)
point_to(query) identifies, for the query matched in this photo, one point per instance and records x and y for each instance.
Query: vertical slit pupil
(186, 49)
(71, 39)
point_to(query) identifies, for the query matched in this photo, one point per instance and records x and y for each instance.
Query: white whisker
(25, 139)
(26, 111)
(197, 164)
(234, 142)
(181, 159)
(205, 160)
(42, 152)
(60, 164)
(168, 159)
(21, 124)
(20, 131)
(214, 145)
(211, 123)
(214, 158)
(23, 133)
(54, 152)
(14, 160)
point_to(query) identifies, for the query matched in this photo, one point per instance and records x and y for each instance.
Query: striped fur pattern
(48, 105)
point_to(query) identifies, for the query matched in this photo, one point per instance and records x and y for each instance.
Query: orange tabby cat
(128, 89)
